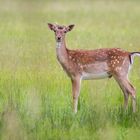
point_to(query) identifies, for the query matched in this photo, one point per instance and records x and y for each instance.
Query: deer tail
(132, 55)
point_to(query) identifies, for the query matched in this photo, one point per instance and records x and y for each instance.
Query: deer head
(60, 30)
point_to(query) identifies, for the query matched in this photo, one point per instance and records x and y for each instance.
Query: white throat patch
(58, 44)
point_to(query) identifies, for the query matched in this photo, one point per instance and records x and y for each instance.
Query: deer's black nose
(58, 38)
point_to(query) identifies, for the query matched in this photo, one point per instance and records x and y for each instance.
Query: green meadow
(35, 93)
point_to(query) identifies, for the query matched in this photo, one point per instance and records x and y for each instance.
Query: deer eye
(65, 31)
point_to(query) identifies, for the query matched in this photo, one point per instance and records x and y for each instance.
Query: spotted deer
(94, 64)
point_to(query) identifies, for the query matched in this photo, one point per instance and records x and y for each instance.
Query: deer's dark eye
(65, 31)
(54, 31)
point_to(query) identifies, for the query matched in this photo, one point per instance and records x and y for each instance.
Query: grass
(35, 93)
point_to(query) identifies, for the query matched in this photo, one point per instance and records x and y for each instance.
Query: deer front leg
(75, 92)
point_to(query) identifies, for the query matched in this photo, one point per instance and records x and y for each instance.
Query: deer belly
(88, 76)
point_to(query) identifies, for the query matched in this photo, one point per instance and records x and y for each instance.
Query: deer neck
(61, 51)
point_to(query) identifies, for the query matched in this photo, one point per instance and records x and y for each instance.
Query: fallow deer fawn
(94, 64)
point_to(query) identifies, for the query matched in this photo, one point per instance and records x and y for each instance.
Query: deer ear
(51, 26)
(70, 27)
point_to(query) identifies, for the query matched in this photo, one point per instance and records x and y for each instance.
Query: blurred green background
(35, 93)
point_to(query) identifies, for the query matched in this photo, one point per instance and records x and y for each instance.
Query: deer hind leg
(132, 92)
(126, 94)
(126, 97)
(127, 89)
(75, 92)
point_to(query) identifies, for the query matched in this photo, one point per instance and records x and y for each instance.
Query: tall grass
(35, 93)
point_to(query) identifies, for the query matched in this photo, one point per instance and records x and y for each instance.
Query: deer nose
(59, 38)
